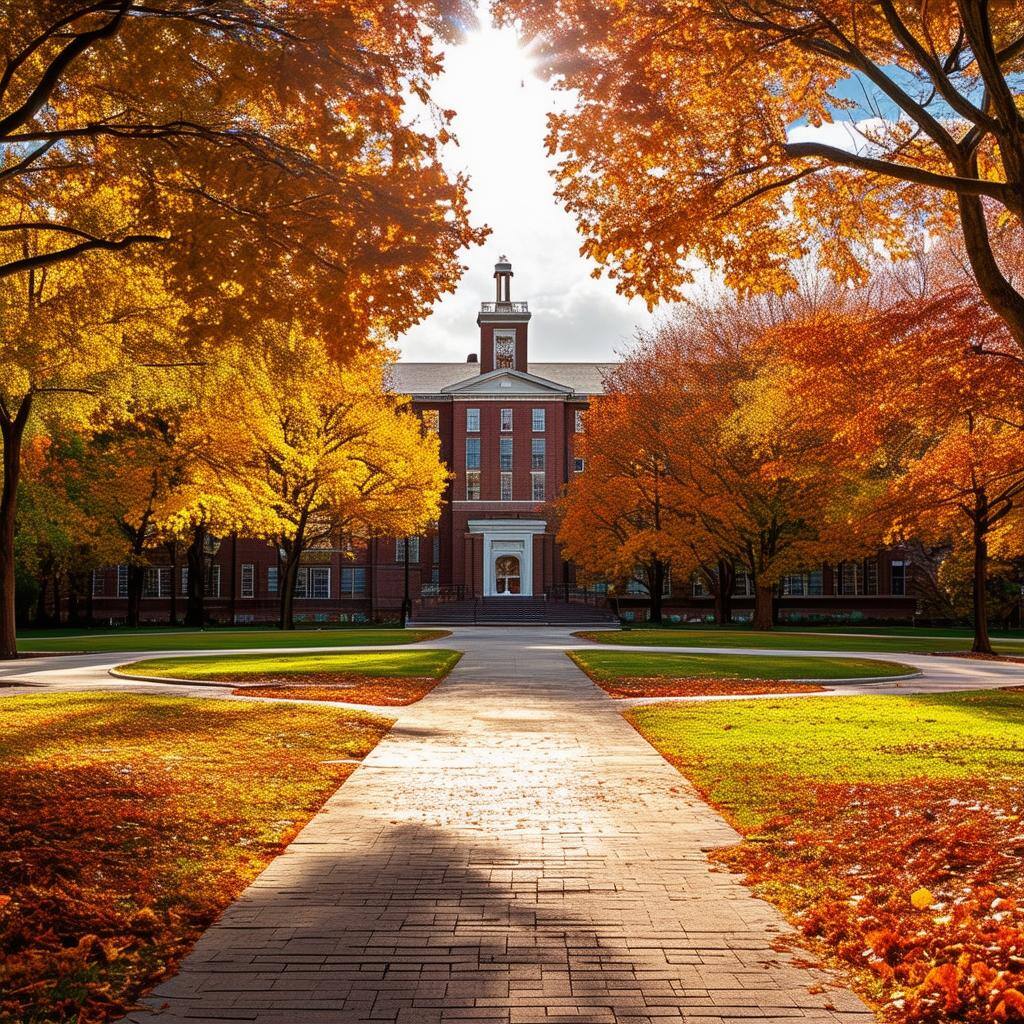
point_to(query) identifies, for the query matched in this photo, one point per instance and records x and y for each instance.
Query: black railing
(596, 597)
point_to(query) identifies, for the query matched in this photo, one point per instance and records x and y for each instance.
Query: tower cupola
(503, 325)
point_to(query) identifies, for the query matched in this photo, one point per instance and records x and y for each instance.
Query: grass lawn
(102, 640)
(128, 823)
(889, 829)
(635, 674)
(360, 677)
(920, 642)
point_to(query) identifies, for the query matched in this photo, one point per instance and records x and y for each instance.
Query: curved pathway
(511, 851)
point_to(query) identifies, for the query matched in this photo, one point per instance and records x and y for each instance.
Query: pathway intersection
(511, 851)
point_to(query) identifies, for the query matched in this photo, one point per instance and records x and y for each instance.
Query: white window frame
(538, 453)
(122, 580)
(356, 576)
(247, 580)
(579, 465)
(506, 486)
(99, 582)
(472, 421)
(161, 575)
(505, 453)
(212, 581)
(506, 420)
(273, 572)
(538, 483)
(501, 338)
(473, 445)
(903, 566)
(414, 550)
(578, 423)
(472, 485)
(538, 420)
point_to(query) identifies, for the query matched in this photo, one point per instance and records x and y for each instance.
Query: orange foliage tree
(745, 480)
(692, 132)
(907, 392)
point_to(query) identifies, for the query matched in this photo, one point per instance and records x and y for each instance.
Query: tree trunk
(172, 615)
(656, 578)
(723, 595)
(287, 583)
(194, 608)
(982, 644)
(12, 431)
(764, 599)
(136, 574)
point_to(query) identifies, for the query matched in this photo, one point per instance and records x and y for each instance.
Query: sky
(500, 126)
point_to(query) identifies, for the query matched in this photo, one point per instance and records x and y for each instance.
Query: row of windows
(432, 420)
(849, 579)
(538, 486)
(312, 582)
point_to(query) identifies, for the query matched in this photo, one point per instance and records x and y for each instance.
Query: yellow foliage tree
(303, 450)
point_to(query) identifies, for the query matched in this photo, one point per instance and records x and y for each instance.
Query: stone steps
(526, 611)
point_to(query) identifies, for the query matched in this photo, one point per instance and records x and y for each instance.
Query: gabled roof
(505, 381)
(438, 378)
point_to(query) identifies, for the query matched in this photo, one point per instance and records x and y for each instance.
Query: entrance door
(506, 574)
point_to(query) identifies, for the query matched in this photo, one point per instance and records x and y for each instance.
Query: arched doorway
(506, 574)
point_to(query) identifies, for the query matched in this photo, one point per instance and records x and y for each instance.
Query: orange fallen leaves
(128, 823)
(847, 865)
(337, 686)
(699, 686)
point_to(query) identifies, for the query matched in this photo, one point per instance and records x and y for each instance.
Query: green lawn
(612, 665)
(778, 640)
(726, 747)
(217, 639)
(887, 829)
(431, 664)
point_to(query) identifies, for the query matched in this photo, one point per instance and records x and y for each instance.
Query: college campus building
(508, 431)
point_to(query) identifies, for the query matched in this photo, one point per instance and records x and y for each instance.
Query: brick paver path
(512, 851)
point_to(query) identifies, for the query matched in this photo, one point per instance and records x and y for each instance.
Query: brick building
(508, 429)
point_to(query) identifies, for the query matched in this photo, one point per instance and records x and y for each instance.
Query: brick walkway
(513, 851)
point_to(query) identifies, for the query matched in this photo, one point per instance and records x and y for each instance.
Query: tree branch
(61, 255)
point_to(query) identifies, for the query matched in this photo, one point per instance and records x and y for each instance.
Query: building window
(537, 486)
(538, 420)
(313, 583)
(537, 453)
(851, 579)
(815, 585)
(793, 585)
(472, 421)
(871, 577)
(184, 579)
(98, 582)
(353, 581)
(212, 587)
(638, 585)
(579, 421)
(248, 586)
(578, 465)
(272, 579)
(744, 586)
(122, 581)
(504, 351)
(898, 579)
(156, 582)
(699, 590)
(506, 420)
(414, 549)
(505, 453)
(506, 486)
(431, 420)
(472, 453)
(473, 485)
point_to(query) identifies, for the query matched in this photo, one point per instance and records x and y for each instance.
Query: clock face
(504, 352)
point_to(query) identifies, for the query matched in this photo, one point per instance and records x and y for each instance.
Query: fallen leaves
(699, 686)
(128, 823)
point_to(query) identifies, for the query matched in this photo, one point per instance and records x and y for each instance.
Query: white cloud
(501, 122)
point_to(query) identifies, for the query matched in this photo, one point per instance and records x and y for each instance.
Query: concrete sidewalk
(512, 851)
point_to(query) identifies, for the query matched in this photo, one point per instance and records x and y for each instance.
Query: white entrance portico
(508, 554)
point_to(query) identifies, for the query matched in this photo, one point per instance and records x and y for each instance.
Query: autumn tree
(907, 393)
(618, 521)
(270, 153)
(741, 134)
(304, 450)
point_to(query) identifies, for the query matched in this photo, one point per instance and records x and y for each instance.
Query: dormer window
(504, 351)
